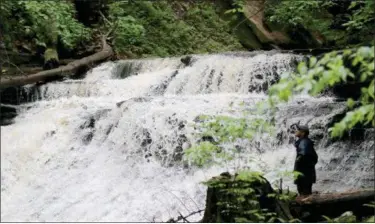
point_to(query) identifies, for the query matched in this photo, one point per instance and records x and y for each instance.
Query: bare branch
(14, 65)
(181, 217)
(247, 18)
(104, 18)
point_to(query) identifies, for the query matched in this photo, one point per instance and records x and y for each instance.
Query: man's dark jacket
(305, 161)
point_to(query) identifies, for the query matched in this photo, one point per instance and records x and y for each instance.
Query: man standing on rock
(305, 161)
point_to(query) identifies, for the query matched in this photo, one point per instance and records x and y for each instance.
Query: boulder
(7, 113)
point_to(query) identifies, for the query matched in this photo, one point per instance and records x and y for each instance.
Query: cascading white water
(108, 148)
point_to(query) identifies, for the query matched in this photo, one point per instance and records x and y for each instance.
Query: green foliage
(317, 16)
(224, 131)
(153, 29)
(44, 22)
(316, 75)
(202, 153)
(312, 15)
(362, 20)
(295, 13)
(210, 32)
(238, 197)
(372, 218)
(127, 30)
(139, 28)
(289, 174)
(50, 54)
(346, 217)
(51, 20)
(237, 7)
(10, 26)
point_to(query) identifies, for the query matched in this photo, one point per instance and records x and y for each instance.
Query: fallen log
(70, 69)
(328, 198)
(22, 70)
(334, 204)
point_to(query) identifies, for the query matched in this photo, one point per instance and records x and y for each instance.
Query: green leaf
(350, 103)
(313, 61)
(371, 90)
(302, 69)
(353, 4)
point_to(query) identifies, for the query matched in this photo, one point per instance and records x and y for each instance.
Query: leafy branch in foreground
(222, 136)
(315, 76)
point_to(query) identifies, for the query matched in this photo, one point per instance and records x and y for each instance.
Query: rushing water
(108, 147)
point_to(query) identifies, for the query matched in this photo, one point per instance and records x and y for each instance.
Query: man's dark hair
(304, 128)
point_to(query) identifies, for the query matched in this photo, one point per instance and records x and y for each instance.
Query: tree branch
(181, 217)
(66, 70)
(247, 18)
(104, 18)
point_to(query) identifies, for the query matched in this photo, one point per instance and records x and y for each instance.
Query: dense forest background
(36, 31)
(40, 35)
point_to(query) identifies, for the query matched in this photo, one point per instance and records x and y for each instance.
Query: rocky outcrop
(254, 11)
(272, 36)
(7, 113)
(18, 95)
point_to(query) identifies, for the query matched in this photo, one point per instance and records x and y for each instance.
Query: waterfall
(109, 147)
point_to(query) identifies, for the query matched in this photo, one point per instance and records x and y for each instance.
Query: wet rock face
(87, 130)
(133, 100)
(20, 94)
(10, 96)
(319, 116)
(159, 89)
(164, 147)
(124, 70)
(88, 127)
(188, 60)
(16, 96)
(13, 95)
(338, 158)
(7, 113)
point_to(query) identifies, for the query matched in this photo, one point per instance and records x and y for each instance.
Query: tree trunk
(67, 70)
(334, 204)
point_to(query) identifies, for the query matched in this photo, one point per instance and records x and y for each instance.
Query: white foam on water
(109, 149)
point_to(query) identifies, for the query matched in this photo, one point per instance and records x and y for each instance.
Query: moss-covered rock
(51, 59)
(244, 197)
